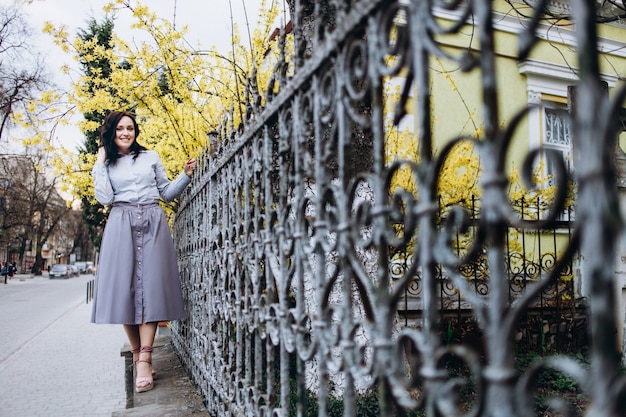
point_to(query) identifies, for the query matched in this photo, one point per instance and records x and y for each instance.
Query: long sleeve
(169, 190)
(102, 184)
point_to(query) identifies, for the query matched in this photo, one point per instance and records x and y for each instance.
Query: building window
(556, 135)
(557, 127)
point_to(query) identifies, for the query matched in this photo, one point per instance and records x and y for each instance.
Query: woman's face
(124, 135)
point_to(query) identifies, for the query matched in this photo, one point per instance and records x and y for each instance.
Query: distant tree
(82, 245)
(22, 78)
(72, 233)
(31, 205)
(359, 155)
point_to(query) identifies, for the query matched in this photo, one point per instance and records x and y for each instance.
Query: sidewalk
(19, 277)
(71, 369)
(74, 368)
(173, 395)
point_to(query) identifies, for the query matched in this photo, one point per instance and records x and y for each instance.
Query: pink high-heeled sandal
(138, 350)
(144, 383)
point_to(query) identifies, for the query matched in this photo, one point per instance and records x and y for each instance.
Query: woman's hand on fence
(190, 166)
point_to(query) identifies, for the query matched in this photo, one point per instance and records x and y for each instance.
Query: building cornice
(553, 78)
(549, 33)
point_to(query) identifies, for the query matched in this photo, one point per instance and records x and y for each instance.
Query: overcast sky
(209, 24)
(208, 20)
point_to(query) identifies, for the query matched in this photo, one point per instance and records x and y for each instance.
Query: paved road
(53, 361)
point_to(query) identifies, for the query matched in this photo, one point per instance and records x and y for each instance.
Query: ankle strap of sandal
(146, 349)
(136, 350)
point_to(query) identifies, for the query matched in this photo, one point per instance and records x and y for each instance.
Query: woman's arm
(169, 190)
(101, 183)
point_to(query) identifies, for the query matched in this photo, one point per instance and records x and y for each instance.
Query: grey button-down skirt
(137, 276)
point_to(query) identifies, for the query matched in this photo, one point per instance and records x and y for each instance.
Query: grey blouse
(142, 180)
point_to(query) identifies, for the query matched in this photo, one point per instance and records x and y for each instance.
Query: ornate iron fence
(285, 254)
(552, 322)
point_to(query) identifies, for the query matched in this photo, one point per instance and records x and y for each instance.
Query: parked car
(82, 267)
(91, 269)
(60, 270)
(75, 270)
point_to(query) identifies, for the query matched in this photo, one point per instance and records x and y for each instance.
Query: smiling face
(124, 135)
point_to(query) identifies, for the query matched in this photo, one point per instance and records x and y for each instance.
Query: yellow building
(539, 82)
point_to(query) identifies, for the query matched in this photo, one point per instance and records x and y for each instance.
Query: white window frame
(544, 79)
(556, 112)
(546, 86)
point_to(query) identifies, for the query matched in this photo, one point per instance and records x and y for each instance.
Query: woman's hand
(190, 166)
(102, 155)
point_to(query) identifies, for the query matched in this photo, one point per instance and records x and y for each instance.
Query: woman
(138, 283)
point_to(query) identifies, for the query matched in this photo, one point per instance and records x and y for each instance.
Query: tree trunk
(359, 152)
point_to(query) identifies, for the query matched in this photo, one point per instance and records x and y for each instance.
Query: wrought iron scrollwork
(306, 281)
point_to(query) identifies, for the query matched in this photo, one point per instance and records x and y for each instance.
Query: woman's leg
(147, 332)
(132, 332)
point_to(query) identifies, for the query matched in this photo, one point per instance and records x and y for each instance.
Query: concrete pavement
(71, 369)
(74, 368)
(173, 395)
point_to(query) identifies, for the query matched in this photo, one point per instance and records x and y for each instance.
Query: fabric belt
(140, 206)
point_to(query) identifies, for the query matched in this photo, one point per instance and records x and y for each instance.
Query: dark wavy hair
(107, 136)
